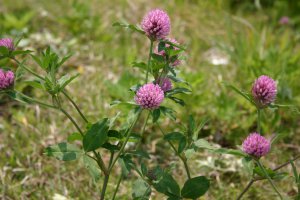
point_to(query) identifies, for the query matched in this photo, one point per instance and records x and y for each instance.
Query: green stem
(259, 179)
(246, 189)
(34, 100)
(268, 177)
(183, 159)
(26, 68)
(259, 120)
(100, 163)
(128, 133)
(72, 120)
(117, 188)
(106, 178)
(145, 124)
(75, 105)
(149, 60)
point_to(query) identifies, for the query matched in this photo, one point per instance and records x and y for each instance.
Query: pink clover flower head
(6, 79)
(149, 96)
(284, 20)
(156, 24)
(165, 84)
(264, 91)
(256, 145)
(8, 43)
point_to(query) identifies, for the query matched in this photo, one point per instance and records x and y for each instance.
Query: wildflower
(256, 145)
(149, 96)
(165, 84)
(264, 91)
(8, 43)
(284, 20)
(163, 53)
(156, 24)
(6, 79)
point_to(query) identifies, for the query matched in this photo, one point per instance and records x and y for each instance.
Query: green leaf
(35, 84)
(178, 80)
(4, 51)
(161, 46)
(195, 187)
(199, 128)
(38, 61)
(243, 94)
(292, 107)
(191, 126)
(189, 153)
(295, 172)
(140, 65)
(173, 52)
(126, 164)
(173, 44)
(134, 137)
(144, 169)
(92, 168)
(64, 59)
(64, 151)
(270, 172)
(116, 102)
(21, 52)
(129, 26)
(65, 80)
(248, 164)
(155, 115)
(141, 190)
(113, 120)
(167, 185)
(114, 134)
(75, 137)
(168, 112)
(278, 137)
(174, 136)
(111, 147)
(158, 57)
(177, 100)
(96, 136)
(181, 144)
(235, 152)
(204, 144)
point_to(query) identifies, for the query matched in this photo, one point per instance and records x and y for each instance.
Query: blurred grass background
(228, 40)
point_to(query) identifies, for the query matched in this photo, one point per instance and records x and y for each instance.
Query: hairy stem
(246, 189)
(145, 124)
(72, 120)
(183, 159)
(259, 179)
(27, 69)
(118, 185)
(149, 60)
(128, 133)
(268, 177)
(35, 101)
(98, 157)
(259, 120)
(106, 178)
(75, 105)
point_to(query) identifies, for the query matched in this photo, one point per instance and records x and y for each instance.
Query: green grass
(250, 38)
